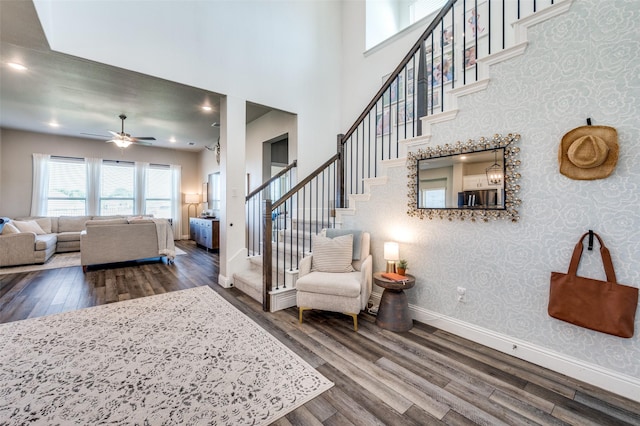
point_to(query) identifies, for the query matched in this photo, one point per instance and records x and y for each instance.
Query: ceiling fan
(123, 140)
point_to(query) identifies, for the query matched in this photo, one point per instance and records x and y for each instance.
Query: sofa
(121, 240)
(36, 244)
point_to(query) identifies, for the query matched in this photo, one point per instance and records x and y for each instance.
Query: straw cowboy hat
(588, 152)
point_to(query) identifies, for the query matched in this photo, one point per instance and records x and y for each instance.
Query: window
(433, 194)
(117, 188)
(213, 197)
(67, 187)
(434, 198)
(158, 191)
(418, 9)
(386, 18)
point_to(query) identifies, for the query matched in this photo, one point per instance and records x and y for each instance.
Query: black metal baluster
(375, 163)
(464, 39)
(368, 127)
(453, 48)
(316, 203)
(489, 26)
(304, 216)
(357, 144)
(476, 22)
(504, 23)
(322, 201)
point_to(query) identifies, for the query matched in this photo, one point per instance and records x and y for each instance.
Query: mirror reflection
(472, 180)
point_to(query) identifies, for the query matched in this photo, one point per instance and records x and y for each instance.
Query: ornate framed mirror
(475, 180)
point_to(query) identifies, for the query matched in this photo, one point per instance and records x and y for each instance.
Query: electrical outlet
(461, 293)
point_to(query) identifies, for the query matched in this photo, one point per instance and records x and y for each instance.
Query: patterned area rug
(182, 357)
(58, 260)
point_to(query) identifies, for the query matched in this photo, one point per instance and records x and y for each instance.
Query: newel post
(266, 256)
(340, 197)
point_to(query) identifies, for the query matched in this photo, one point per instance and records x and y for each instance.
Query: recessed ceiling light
(206, 108)
(53, 124)
(17, 66)
(172, 140)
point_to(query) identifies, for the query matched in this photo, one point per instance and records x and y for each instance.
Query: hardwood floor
(424, 376)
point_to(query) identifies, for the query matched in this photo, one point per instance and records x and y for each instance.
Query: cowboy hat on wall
(588, 152)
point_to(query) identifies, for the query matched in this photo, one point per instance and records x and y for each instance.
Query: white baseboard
(612, 381)
(225, 281)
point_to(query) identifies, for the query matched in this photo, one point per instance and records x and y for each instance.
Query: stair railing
(444, 57)
(271, 189)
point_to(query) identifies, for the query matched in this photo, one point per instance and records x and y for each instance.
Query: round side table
(393, 313)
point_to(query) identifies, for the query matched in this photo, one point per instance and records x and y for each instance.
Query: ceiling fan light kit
(123, 140)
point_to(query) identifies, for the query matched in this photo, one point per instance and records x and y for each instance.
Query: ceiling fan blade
(114, 133)
(93, 134)
(142, 143)
(144, 138)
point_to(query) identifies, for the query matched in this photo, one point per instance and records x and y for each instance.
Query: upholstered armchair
(337, 276)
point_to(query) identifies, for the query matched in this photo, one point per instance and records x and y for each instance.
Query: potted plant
(402, 266)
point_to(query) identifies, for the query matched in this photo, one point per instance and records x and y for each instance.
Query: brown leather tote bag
(604, 306)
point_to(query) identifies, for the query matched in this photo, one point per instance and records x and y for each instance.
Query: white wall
(16, 166)
(265, 128)
(577, 65)
(283, 54)
(362, 73)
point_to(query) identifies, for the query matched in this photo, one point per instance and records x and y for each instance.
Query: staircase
(451, 59)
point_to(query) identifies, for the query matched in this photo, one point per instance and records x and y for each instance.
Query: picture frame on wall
(383, 123)
(470, 56)
(405, 112)
(440, 70)
(395, 92)
(433, 99)
(476, 20)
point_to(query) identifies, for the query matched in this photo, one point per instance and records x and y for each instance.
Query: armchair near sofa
(337, 276)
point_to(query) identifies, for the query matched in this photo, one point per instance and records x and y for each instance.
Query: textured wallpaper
(584, 63)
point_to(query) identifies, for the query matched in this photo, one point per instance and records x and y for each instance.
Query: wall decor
(588, 152)
(476, 197)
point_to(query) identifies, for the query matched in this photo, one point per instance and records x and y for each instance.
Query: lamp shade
(391, 251)
(192, 198)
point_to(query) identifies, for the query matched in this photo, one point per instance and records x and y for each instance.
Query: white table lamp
(391, 255)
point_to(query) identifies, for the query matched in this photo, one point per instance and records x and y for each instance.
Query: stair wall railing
(445, 57)
(271, 189)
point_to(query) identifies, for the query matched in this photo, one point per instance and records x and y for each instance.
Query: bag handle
(604, 252)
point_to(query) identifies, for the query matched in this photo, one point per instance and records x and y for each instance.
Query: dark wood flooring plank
(440, 395)
(509, 364)
(520, 406)
(385, 378)
(320, 408)
(623, 409)
(303, 417)
(348, 393)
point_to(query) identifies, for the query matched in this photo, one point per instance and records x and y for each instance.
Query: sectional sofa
(109, 239)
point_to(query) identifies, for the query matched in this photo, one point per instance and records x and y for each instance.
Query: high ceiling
(85, 98)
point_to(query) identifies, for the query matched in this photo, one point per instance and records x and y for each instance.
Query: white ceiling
(85, 98)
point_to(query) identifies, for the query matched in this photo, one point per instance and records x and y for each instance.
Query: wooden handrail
(445, 9)
(268, 182)
(308, 179)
